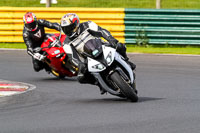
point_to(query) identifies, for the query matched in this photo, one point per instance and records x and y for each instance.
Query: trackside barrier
(162, 26)
(154, 26)
(11, 20)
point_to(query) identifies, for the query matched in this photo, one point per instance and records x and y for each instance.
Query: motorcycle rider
(34, 35)
(79, 33)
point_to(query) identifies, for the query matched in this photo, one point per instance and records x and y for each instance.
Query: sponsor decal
(38, 34)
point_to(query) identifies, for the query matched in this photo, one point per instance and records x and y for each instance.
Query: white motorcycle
(111, 71)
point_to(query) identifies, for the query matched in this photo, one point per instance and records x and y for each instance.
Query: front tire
(125, 88)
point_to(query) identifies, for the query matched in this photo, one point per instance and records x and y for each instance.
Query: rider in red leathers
(34, 35)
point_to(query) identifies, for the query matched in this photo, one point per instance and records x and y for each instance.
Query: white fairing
(92, 65)
(108, 51)
(119, 59)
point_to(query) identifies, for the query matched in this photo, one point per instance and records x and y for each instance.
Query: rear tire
(125, 88)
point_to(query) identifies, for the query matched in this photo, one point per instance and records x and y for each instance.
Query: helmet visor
(31, 26)
(68, 30)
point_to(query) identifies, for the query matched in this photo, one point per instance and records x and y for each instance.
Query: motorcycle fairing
(95, 66)
(119, 59)
(54, 51)
(108, 51)
(104, 85)
(114, 55)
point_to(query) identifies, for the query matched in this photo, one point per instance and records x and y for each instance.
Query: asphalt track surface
(169, 99)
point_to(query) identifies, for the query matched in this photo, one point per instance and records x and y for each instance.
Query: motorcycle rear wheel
(125, 88)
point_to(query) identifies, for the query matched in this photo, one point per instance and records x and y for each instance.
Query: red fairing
(56, 55)
(62, 38)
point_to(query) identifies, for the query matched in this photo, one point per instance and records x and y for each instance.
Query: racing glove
(38, 56)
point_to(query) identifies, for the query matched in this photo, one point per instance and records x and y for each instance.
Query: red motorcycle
(56, 58)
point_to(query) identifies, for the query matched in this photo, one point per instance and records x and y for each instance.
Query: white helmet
(70, 24)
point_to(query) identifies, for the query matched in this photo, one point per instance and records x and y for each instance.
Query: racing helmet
(70, 24)
(30, 21)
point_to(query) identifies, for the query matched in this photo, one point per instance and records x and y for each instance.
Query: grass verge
(162, 49)
(13, 45)
(152, 49)
(173, 4)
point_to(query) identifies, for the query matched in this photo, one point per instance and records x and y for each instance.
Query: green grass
(13, 45)
(161, 49)
(79, 3)
(173, 4)
(153, 49)
(180, 4)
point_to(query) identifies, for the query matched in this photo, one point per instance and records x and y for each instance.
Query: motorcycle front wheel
(125, 88)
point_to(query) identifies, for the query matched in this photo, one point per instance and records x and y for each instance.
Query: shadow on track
(145, 99)
(64, 79)
(56, 79)
(116, 100)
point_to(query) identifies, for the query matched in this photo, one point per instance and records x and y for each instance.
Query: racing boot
(37, 65)
(84, 77)
(89, 79)
(47, 68)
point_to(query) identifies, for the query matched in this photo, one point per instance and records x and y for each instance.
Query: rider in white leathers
(80, 33)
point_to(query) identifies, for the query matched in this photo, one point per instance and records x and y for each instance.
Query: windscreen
(93, 47)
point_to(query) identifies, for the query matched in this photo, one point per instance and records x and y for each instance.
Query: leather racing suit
(88, 31)
(35, 38)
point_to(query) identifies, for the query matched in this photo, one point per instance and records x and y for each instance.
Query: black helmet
(30, 21)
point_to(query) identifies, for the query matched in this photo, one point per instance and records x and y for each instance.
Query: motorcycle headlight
(99, 66)
(109, 58)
